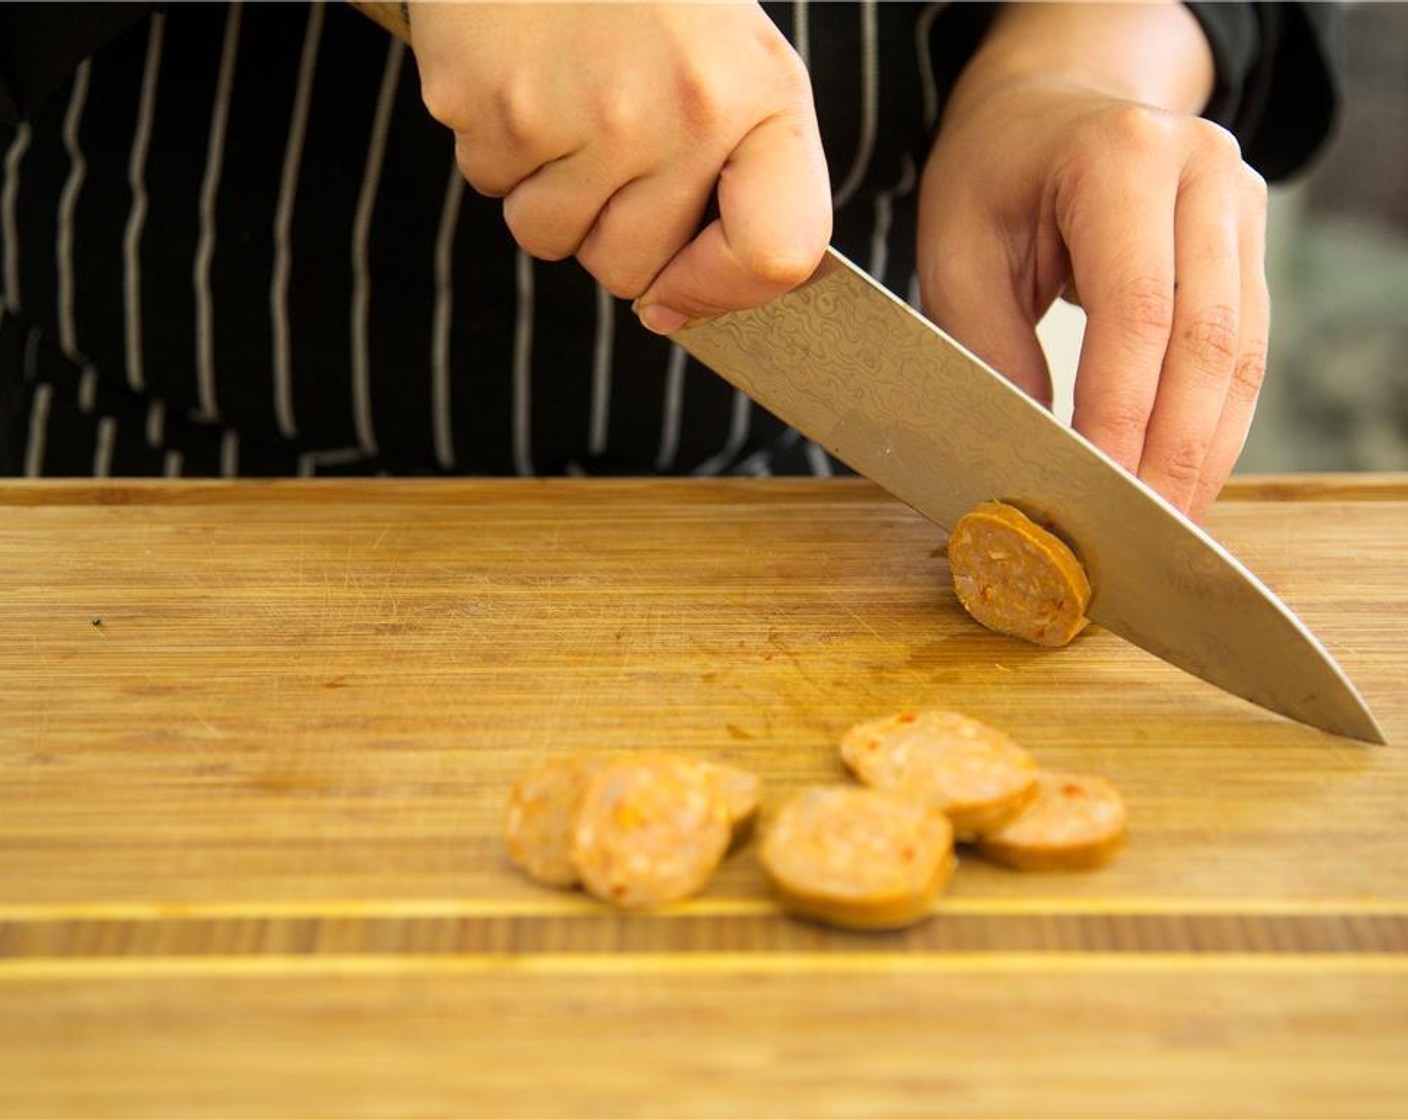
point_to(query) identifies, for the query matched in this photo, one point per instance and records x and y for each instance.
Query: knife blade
(864, 375)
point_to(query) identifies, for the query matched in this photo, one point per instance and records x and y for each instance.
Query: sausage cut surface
(741, 792)
(1076, 821)
(651, 829)
(860, 858)
(1017, 578)
(971, 772)
(541, 812)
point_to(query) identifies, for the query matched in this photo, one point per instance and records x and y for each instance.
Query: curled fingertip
(659, 318)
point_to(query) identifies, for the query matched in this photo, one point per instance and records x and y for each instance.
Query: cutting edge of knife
(1368, 729)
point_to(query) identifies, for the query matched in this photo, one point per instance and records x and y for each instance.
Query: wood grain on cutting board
(256, 741)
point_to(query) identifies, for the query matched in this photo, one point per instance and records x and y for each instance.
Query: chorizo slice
(651, 829)
(741, 792)
(541, 810)
(1076, 821)
(971, 772)
(1017, 578)
(859, 858)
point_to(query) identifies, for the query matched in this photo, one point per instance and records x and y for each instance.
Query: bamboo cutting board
(256, 740)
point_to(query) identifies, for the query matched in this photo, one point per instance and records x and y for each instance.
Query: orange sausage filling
(1014, 577)
(971, 772)
(1075, 821)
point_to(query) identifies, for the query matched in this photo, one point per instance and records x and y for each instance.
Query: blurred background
(1336, 394)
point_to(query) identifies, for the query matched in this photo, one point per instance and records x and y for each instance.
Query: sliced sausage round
(651, 829)
(1076, 821)
(541, 810)
(741, 792)
(971, 772)
(1015, 577)
(859, 858)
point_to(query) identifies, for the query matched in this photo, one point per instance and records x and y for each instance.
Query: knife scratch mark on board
(865, 623)
(775, 640)
(214, 731)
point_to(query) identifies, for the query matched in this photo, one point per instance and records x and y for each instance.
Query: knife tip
(1354, 721)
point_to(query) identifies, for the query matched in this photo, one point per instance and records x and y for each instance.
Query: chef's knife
(880, 387)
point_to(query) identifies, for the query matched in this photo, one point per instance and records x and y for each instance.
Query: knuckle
(619, 116)
(623, 279)
(516, 114)
(787, 68)
(441, 98)
(777, 69)
(1135, 131)
(623, 286)
(1143, 305)
(488, 186)
(481, 174)
(1248, 376)
(700, 102)
(779, 260)
(775, 49)
(1182, 465)
(1121, 423)
(782, 265)
(1255, 189)
(623, 282)
(1212, 340)
(547, 241)
(1215, 142)
(709, 99)
(1204, 496)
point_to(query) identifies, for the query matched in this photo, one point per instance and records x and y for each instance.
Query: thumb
(773, 228)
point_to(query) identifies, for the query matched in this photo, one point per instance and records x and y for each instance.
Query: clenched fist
(607, 130)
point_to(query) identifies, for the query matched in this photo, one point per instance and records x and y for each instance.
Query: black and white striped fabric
(235, 244)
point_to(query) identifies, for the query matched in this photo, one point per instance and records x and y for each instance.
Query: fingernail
(660, 319)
